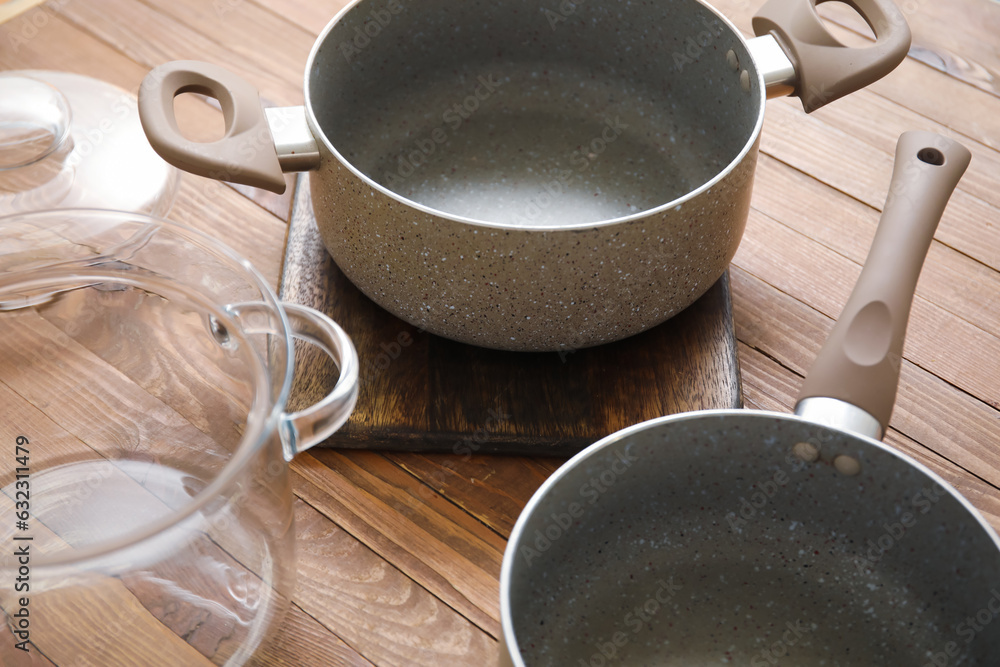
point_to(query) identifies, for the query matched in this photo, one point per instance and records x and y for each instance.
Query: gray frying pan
(755, 538)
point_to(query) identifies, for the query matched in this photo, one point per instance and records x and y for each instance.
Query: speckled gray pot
(529, 289)
(584, 199)
(703, 539)
(520, 176)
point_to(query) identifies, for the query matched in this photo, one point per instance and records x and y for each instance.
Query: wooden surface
(400, 553)
(420, 392)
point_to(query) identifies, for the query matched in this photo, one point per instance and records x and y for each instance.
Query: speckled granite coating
(704, 540)
(524, 289)
(538, 159)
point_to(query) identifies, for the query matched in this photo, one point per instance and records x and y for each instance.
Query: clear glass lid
(68, 140)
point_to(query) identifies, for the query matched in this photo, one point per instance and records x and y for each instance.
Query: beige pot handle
(246, 153)
(825, 68)
(859, 364)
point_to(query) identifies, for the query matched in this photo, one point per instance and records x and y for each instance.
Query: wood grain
(170, 355)
(15, 657)
(302, 641)
(914, 85)
(11, 9)
(787, 254)
(779, 395)
(945, 419)
(146, 600)
(371, 604)
(425, 393)
(863, 172)
(966, 51)
(243, 29)
(803, 203)
(374, 585)
(489, 488)
(416, 543)
(216, 32)
(311, 15)
(878, 122)
(78, 623)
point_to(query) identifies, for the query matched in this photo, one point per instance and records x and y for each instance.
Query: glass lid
(68, 140)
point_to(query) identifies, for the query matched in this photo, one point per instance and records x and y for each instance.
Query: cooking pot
(758, 538)
(526, 177)
(146, 500)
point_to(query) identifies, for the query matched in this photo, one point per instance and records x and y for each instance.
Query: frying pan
(750, 537)
(522, 175)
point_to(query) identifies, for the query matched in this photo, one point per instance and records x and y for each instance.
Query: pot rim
(676, 203)
(509, 640)
(261, 422)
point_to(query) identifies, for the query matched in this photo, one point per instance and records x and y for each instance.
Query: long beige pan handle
(859, 364)
(246, 153)
(826, 69)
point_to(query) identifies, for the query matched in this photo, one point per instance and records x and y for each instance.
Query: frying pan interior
(512, 113)
(723, 546)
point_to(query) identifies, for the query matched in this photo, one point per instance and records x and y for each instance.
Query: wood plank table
(400, 553)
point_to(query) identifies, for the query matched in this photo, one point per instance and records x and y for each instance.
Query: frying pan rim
(509, 640)
(678, 202)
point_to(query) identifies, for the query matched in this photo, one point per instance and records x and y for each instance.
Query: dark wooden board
(421, 392)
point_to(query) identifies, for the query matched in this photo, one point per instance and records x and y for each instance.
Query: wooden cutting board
(421, 392)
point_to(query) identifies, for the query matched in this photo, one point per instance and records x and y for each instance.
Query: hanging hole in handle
(199, 117)
(931, 156)
(845, 23)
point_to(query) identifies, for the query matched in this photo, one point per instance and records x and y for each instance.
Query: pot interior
(709, 541)
(522, 115)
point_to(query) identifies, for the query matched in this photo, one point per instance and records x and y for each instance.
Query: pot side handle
(305, 428)
(826, 69)
(246, 154)
(859, 364)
